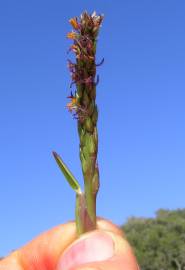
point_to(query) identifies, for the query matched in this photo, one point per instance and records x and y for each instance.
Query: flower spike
(83, 104)
(83, 107)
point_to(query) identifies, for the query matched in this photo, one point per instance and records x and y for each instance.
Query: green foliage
(159, 243)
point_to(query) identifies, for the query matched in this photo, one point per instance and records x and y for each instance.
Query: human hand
(60, 249)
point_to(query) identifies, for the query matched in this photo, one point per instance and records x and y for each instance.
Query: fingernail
(94, 247)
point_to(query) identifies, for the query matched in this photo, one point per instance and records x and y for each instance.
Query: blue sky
(141, 112)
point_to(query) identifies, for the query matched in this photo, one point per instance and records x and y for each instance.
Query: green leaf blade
(67, 173)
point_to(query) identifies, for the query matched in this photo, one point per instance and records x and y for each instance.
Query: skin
(51, 250)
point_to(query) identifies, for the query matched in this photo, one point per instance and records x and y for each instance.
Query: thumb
(98, 250)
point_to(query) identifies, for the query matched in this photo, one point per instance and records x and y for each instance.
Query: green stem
(90, 197)
(88, 157)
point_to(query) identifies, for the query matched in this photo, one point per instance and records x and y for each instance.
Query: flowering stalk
(83, 107)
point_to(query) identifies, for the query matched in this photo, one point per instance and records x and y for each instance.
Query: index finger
(42, 252)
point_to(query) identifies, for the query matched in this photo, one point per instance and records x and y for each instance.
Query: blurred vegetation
(159, 243)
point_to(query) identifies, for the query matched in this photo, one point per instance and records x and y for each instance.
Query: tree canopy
(159, 243)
